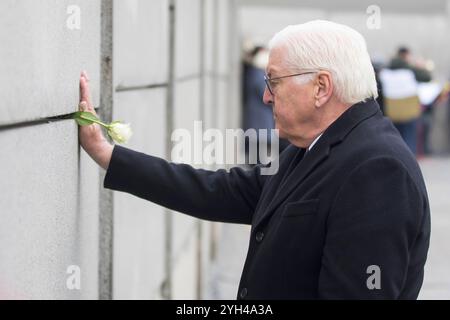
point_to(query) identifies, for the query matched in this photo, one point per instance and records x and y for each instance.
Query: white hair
(334, 47)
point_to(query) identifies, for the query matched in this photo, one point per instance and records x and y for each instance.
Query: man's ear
(323, 88)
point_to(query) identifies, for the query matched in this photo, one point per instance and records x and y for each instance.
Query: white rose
(120, 132)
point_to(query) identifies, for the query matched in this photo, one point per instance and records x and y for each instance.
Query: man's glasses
(269, 80)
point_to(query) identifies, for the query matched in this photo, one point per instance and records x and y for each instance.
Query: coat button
(259, 236)
(243, 293)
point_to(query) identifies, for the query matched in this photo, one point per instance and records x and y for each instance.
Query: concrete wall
(48, 186)
(43, 58)
(144, 81)
(50, 190)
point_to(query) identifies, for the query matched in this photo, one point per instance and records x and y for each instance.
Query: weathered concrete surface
(42, 58)
(139, 224)
(437, 277)
(141, 42)
(48, 195)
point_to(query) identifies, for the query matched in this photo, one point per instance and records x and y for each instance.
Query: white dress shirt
(314, 142)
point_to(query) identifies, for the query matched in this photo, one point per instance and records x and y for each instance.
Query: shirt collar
(314, 142)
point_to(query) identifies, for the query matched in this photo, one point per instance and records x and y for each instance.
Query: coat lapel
(280, 189)
(273, 184)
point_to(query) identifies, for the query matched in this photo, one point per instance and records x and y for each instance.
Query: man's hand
(91, 137)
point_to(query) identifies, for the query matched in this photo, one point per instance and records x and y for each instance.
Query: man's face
(293, 102)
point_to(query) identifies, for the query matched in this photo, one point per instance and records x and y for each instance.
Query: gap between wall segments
(37, 122)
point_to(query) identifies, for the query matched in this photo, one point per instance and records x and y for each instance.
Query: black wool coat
(349, 220)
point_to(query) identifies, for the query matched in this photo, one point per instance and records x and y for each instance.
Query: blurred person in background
(256, 114)
(378, 65)
(401, 97)
(405, 60)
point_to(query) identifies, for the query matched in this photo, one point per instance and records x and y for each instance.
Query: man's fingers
(83, 106)
(84, 74)
(85, 95)
(84, 90)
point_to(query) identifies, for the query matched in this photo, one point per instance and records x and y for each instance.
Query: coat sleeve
(373, 224)
(211, 195)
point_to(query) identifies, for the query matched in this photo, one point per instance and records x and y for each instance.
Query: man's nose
(267, 97)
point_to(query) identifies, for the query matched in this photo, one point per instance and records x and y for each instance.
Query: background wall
(161, 85)
(423, 26)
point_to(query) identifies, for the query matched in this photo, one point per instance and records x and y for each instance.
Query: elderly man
(346, 216)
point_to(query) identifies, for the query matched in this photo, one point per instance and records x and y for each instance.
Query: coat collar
(332, 136)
